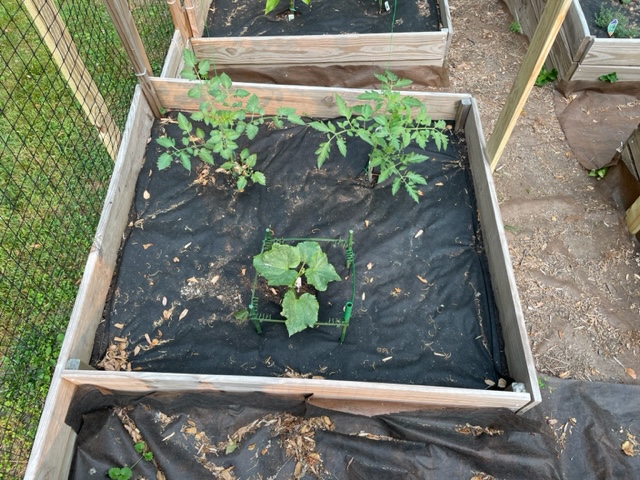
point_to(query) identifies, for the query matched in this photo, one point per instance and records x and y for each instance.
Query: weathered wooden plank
(180, 21)
(632, 217)
(514, 332)
(143, 382)
(624, 52)
(54, 32)
(631, 153)
(53, 445)
(173, 63)
(362, 49)
(592, 72)
(573, 38)
(447, 24)
(196, 14)
(541, 43)
(311, 101)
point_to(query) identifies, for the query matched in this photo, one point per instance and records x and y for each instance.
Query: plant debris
(476, 430)
(117, 356)
(629, 445)
(296, 437)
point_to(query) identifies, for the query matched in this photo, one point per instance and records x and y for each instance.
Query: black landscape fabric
(424, 311)
(580, 431)
(230, 18)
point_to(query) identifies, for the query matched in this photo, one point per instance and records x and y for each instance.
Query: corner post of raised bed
(541, 43)
(132, 43)
(180, 20)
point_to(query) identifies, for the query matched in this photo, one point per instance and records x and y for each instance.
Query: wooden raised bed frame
(577, 54)
(54, 444)
(395, 50)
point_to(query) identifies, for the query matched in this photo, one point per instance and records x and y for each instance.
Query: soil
(577, 268)
(591, 8)
(320, 17)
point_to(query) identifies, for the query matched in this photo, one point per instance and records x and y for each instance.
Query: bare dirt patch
(577, 268)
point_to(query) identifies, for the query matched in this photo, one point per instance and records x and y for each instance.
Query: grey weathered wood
(464, 107)
(311, 101)
(77, 364)
(144, 382)
(173, 62)
(514, 332)
(592, 72)
(53, 445)
(398, 49)
(624, 52)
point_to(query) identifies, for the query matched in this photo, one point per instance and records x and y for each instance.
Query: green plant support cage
(258, 318)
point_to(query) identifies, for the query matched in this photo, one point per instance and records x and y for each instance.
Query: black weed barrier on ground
(582, 430)
(424, 311)
(255, 436)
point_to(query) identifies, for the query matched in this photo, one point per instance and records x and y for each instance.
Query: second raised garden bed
(583, 51)
(342, 50)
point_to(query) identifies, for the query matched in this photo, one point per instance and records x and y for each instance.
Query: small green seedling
(271, 4)
(287, 266)
(609, 77)
(515, 27)
(233, 114)
(598, 173)
(545, 76)
(389, 122)
(125, 473)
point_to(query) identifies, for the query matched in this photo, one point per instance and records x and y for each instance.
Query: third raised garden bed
(327, 43)
(583, 50)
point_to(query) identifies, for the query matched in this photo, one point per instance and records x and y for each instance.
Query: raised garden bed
(479, 231)
(583, 51)
(342, 50)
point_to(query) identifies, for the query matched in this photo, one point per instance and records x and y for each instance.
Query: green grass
(54, 172)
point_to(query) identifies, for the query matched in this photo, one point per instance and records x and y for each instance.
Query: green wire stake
(254, 319)
(345, 320)
(349, 249)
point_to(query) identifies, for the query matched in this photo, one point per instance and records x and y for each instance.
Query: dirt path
(576, 266)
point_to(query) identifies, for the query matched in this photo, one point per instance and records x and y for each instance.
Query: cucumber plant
(293, 266)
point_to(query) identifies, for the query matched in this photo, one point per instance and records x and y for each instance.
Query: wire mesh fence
(65, 91)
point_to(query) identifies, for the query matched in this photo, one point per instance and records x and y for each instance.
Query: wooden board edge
(632, 217)
(113, 221)
(447, 25)
(308, 100)
(53, 446)
(590, 73)
(146, 382)
(173, 60)
(423, 48)
(47, 455)
(517, 349)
